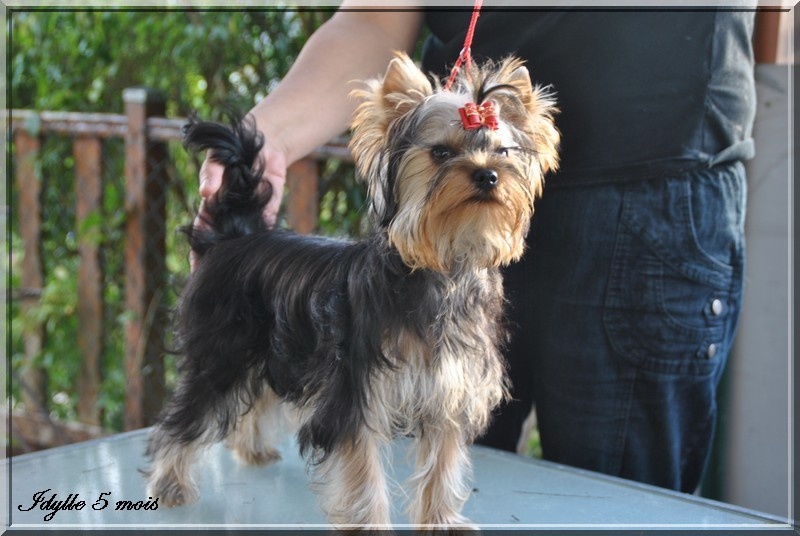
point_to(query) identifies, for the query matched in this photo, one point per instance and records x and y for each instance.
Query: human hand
(211, 174)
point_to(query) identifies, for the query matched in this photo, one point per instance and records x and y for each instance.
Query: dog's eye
(440, 153)
(503, 151)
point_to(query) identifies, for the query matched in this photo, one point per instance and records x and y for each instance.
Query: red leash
(465, 56)
(473, 116)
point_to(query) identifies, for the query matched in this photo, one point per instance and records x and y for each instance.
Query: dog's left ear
(532, 113)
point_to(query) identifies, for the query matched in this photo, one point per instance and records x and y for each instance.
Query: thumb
(210, 177)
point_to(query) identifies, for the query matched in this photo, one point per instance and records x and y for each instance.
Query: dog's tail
(238, 207)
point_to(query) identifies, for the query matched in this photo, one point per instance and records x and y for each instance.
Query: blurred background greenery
(204, 62)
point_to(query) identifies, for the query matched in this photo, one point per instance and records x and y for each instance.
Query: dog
(399, 334)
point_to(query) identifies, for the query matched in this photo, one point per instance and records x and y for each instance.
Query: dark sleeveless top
(641, 93)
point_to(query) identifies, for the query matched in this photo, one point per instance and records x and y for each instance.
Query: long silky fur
(305, 315)
(240, 202)
(363, 344)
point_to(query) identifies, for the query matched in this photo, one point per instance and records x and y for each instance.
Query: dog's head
(452, 174)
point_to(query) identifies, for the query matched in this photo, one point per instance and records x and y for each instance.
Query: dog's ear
(546, 137)
(383, 101)
(404, 86)
(530, 108)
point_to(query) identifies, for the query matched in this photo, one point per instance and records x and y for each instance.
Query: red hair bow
(475, 116)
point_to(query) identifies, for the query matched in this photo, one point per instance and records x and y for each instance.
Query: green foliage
(342, 202)
(202, 61)
(81, 61)
(534, 444)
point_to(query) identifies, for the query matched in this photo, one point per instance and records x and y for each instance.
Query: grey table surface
(509, 492)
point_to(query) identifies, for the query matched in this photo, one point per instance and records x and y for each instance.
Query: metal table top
(509, 492)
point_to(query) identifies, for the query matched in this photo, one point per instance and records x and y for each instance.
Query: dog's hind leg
(353, 484)
(170, 476)
(258, 431)
(196, 417)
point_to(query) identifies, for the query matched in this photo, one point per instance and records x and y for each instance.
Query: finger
(210, 178)
(201, 220)
(273, 206)
(271, 214)
(192, 260)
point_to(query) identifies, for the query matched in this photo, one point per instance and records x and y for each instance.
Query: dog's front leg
(441, 480)
(353, 484)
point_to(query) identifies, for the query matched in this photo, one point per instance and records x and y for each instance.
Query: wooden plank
(33, 379)
(765, 36)
(70, 123)
(35, 431)
(163, 129)
(145, 249)
(89, 196)
(114, 125)
(332, 150)
(302, 203)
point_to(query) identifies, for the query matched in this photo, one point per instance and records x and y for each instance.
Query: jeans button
(716, 307)
(711, 351)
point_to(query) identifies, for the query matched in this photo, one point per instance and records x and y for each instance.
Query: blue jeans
(625, 308)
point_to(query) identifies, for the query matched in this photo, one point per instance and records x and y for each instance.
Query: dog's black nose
(485, 179)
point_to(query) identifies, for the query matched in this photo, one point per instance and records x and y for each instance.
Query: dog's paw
(465, 528)
(256, 457)
(172, 493)
(453, 526)
(449, 530)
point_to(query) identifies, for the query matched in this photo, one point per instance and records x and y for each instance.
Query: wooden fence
(146, 132)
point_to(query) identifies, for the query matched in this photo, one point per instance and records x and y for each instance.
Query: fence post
(145, 250)
(33, 378)
(766, 33)
(89, 195)
(302, 205)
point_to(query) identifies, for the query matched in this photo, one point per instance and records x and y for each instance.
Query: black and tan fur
(396, 335)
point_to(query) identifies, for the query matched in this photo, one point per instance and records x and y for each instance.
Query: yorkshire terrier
(399, 334)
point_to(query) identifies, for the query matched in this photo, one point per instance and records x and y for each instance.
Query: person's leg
(507, 421)
(581, 391)
(632, 303)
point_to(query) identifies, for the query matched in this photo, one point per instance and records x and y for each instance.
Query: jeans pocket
(676, 279)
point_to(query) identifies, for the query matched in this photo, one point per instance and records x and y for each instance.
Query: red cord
(466, 53)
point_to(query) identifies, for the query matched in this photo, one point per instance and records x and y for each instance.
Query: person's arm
(312, 104)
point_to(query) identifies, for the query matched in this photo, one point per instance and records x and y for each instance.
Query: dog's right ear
(384, 101)
(404, 86)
